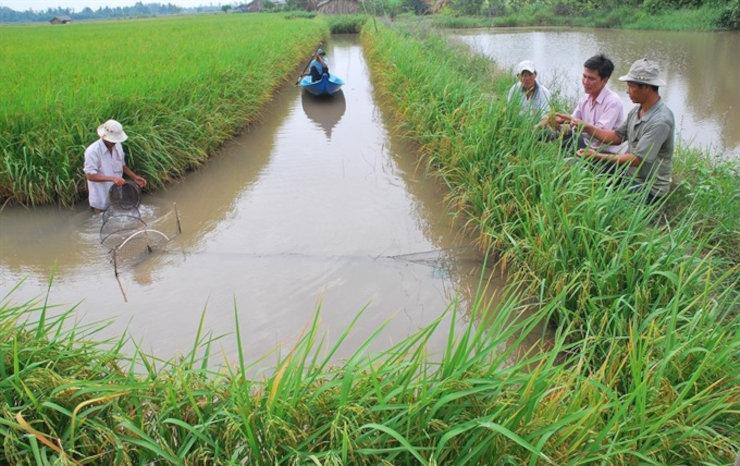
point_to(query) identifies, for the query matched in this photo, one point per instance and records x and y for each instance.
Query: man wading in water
(105, 165)
(648, 131)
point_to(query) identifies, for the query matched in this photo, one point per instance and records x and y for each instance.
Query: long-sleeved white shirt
(99, 160)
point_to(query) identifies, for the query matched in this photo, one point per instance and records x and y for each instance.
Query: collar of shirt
(650, 112)
(534, 89)
(103, 149)
(599, 98)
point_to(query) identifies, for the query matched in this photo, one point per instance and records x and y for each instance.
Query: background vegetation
(638, 14)
(139, 9)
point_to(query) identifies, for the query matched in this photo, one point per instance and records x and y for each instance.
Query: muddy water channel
(317, 205)
(700, 70)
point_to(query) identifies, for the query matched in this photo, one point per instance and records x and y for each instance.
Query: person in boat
(105, 165)
(532, 96)
(318, 67)
(648, 131)
(599, 107)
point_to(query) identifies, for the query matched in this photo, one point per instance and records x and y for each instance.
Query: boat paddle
(307, 65)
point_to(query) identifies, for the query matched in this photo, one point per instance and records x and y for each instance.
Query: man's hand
(586, 153)
(561, 118)
(118, 181)
(577, 124)
(139, 181)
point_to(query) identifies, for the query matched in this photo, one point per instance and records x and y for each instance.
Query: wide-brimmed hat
(644, 71)
(112, 131)
(526, 65)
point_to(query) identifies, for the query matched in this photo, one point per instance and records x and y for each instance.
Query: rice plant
(660, 399)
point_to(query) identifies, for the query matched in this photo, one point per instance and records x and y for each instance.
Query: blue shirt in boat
(317, 70)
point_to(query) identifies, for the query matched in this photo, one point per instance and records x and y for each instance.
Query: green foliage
(709, 187)
(467, 7)
(729, 15)
(179, 86)
(345, 24)
(637, 14)
(391, 8)
(301, 5)
(298, 14)
(138, 10)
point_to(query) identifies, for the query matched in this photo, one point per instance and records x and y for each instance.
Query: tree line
(8, 15)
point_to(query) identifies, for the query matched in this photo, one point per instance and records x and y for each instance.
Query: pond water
(319, 204)
(699, 69)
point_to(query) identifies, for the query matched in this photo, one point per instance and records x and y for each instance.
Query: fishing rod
(307, 65)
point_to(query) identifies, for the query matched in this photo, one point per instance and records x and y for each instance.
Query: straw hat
(644, 71)
(112, 131)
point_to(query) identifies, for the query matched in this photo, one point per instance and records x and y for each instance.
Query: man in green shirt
(648, 131)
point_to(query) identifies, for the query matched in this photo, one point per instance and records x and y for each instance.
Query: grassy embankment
(641, 370)
(180, 86)
(345, 24)
(626, 275)
(706, 18)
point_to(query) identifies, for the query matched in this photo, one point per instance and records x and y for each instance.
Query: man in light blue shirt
(318, 67)
(533, 96)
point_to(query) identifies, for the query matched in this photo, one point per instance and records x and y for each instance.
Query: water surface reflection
(326, 112)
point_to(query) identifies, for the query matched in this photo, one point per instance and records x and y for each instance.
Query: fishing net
(118, 224)
(125, 197)
(122, 218)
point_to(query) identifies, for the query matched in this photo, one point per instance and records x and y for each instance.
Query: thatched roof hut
(339, 7)
(60, 19)
(251, 7)
(311, 5)
(438, 5)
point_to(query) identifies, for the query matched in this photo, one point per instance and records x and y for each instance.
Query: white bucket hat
(644, 71)
(526, 65)
(112, 131)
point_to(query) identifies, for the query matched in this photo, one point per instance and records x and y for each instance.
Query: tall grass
(180, 86)
(345, 24)
(623, 270)
(67, 399)
(706, 189)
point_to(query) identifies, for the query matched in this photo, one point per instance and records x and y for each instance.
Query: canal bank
(621, 277)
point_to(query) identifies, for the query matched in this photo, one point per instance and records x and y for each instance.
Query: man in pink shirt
(600, 106)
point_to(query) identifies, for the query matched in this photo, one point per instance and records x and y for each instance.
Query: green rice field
(180, 87)
(642, 301)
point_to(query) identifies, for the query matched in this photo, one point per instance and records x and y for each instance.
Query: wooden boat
(328, 85)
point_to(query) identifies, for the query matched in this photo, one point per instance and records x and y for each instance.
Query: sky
(21, 5)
